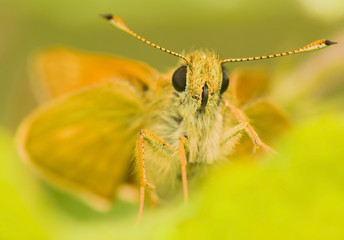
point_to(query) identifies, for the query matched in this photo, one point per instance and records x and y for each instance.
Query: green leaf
(16, 221)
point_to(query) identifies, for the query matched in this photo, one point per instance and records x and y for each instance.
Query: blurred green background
(309, 86)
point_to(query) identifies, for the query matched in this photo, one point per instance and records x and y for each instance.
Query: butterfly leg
(158, 144)
(239, 115)
(233, 132)
(182, 141)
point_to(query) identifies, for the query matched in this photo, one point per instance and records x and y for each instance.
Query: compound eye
(179, 79)
(225, 82)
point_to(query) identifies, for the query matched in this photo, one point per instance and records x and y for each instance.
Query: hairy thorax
(202, 128)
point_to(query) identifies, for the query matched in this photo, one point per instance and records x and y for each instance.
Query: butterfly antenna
(320, 44)
(118, 23)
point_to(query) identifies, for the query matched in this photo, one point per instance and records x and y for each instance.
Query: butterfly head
(202, 80)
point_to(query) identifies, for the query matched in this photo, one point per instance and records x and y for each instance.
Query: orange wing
(83, 138)
(84, 141)
(248, 90)
(246, 85)
(57, 71)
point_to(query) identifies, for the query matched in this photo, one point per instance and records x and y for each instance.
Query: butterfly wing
(84, 137)
(246, 85)
(84, 141)
(58, 71)
(248, 89)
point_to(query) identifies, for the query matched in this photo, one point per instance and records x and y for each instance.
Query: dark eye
(179, 79)
(225, 82)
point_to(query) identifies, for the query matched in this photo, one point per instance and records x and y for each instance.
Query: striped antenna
(118, 23)
(310, 47)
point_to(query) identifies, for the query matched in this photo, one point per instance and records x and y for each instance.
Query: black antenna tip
(110, 16)
(329, 42)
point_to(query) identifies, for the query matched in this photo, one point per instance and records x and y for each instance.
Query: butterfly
(104, 116)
